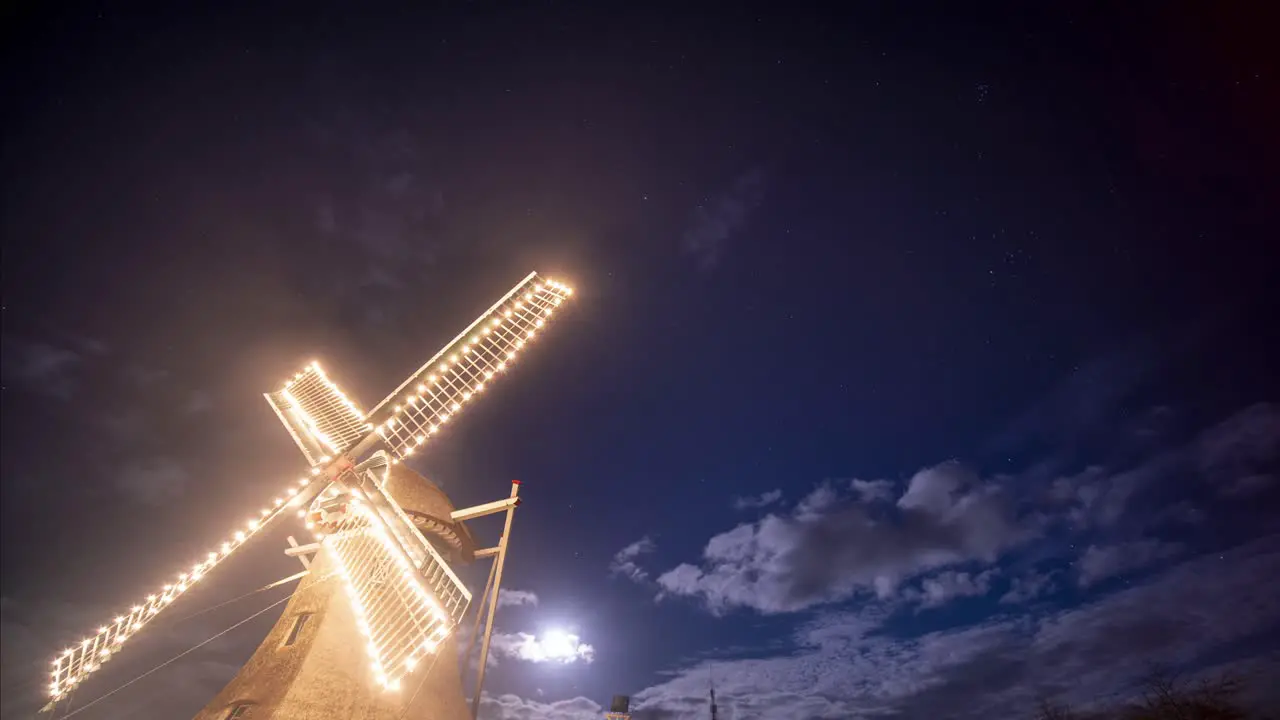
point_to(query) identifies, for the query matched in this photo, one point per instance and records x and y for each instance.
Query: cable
(23, 684)
(264, 588)
(421, 682)
(180, 655)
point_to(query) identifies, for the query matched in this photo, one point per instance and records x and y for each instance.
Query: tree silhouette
(1164, 696)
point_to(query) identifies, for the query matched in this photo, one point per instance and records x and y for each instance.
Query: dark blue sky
(922, 360)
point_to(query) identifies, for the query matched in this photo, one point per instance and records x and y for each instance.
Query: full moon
(559, 644)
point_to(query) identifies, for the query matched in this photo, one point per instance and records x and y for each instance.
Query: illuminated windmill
(380, 599)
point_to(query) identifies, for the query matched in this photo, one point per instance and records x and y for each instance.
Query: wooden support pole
(493, 600)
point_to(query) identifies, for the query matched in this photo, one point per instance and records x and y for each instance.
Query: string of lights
(75, 663)
(468, 365)
(399, 617)
(324, 410)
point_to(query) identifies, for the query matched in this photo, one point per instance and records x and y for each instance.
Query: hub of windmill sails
(452, 539)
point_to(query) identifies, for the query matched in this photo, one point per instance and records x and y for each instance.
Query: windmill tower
(369, 632)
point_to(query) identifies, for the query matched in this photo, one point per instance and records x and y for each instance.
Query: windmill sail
(405, 596)
(319, 416)
(466, 366)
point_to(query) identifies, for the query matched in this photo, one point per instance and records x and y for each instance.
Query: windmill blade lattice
(461, 371)
(319, 416)
(405, 597)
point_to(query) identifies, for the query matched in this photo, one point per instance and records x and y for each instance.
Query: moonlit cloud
(764, 499)
(507, 598)
(832, 546)
(553, 646)
(624, 561)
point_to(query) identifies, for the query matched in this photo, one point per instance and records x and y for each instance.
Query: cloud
(1099, 563)
(831, 548)
(944, 587)
(40, 367)
(1237, 454)
(764, 499)
(1085, 407)
(1029, 587)
(624, 561)
(717, 220)
(513, 707)
(870, 491)
(553, 647)
(516, 597)
(153, 481)
(848, 665)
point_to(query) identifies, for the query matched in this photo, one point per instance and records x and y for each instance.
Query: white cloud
(832, 548)
(513, 707)
(870, 491)
(624, 561)
(1029, 587)
(1100, 563)
(555, 646)
(764, 499)
(846, 665)
(508, 598)
(944, 587)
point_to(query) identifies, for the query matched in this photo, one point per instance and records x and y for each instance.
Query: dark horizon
(922, 360)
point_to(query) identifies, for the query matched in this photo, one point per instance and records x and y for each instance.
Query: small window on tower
(239, 711)
(298, 623)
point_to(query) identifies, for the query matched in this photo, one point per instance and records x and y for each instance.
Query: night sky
(923, 361)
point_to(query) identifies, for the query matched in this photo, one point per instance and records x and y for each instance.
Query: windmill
(379, 580)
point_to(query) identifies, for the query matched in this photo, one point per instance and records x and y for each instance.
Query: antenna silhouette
(711, 681)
